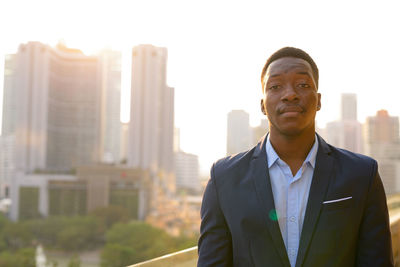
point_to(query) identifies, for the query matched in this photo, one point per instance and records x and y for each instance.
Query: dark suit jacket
(238, 229)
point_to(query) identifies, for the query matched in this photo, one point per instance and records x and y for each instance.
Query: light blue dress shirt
(290, 195)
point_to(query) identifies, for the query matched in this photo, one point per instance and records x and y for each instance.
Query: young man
(294, 200)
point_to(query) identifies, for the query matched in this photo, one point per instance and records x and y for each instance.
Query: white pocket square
(336, 200)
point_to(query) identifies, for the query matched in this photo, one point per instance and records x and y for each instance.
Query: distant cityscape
(64, 150)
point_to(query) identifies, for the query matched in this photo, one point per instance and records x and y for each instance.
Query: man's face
(290, 97)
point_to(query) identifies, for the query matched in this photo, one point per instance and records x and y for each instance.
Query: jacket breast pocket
(337, 205)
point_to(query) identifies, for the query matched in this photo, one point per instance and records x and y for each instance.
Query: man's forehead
(287, 64)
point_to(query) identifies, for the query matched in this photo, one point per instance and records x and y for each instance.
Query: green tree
(17, 235)
(111, 215)
(46, 230)
(3, 222)
(116, 255)
(80, 233)
(68, 233)
(138, 241)
(22, 258)
(75, 261)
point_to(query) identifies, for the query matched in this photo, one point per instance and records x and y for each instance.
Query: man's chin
(293, 130)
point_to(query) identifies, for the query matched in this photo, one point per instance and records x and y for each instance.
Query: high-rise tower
(349, 107)
(346, 133)
(382, 128)
(7, 144)
(151, 126)
(110, 63)
(54, 107)
(382, 142)
(9, 98)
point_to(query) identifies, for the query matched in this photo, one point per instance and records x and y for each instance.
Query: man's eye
(274, 87)
(304, 85)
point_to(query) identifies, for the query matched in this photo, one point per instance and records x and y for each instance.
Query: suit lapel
(263, 189)
(321, 177)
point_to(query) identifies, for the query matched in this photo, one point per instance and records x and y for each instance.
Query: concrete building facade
(346, 133)
(30, 192)
(96, 186)
(382, 128)
(348, 107)
(110, 63)
(9, 98)
(187, 171)
(55, 107)
(124, 142)
(7, 163)
(151, 125)
(382, 142)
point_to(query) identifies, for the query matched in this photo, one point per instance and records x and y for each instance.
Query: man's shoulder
(345, 154)
(235, 160)
(233, 164)
(353, 159)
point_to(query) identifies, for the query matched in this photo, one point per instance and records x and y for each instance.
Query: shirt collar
(272, 156)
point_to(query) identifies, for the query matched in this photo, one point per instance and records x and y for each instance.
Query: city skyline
(343, 108)
(215, 64)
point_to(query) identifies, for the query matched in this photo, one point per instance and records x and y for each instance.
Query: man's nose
(289, 94)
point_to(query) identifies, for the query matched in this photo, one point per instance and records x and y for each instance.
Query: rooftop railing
(188, 257)
(183, 258)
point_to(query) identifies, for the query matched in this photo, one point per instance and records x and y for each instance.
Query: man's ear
(319, 102)
(263, 107)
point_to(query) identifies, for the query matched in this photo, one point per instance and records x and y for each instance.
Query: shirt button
(292, 219)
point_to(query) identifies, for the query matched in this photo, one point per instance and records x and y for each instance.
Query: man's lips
(290, 109)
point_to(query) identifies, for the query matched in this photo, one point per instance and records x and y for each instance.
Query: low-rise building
(92, 187)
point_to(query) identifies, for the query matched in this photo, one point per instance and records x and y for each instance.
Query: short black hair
(290, 52)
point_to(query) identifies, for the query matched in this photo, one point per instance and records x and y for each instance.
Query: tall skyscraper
(347, 132)
(383, 143)
(349, 107)
(55, 106)
(151, 126)
(238, 134)
(110, 62)
(9, 98)
(382, 128)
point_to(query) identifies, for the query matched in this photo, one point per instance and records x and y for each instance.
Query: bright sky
(217, 50)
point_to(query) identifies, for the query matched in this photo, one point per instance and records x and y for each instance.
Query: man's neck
(293, 149)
